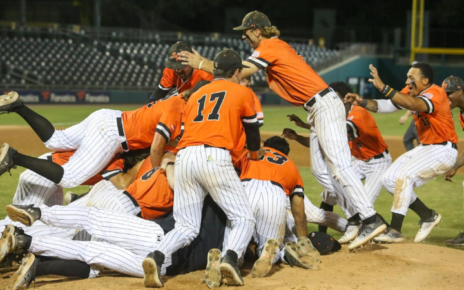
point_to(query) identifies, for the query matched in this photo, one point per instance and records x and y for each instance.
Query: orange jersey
(287, 73)
(365, 138)
(115, 166)
(170, 80)
(152, 192)
(163, 116)
(214, 116)
(436, 125)
(259, 109)
(275, 167)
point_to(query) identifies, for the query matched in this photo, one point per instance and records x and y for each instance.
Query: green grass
(445, 197)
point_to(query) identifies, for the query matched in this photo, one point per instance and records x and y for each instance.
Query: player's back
(275, 167)
(367, 141)
(140, 125)
(214, 115)
(287, 73)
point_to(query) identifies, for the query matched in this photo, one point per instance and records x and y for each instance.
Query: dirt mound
(404, 266)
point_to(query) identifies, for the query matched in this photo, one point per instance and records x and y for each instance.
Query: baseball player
(454, 88)
(176, 75)
(96, 140)
(215, 118)
(259, 109)
(124, 242)
(436, 154)
(295, 81)
(370, 157)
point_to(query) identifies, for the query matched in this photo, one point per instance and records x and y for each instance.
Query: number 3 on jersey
(218, 98)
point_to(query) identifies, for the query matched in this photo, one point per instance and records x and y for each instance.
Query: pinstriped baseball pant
(199, 171)
(415, 168)
(328, 118)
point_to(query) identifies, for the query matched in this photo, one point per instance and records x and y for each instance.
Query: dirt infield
(404, 266)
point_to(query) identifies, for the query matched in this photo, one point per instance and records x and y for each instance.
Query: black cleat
(6, 158)
(152, 270)
(9, 102)
(229, 270)
(25, 214)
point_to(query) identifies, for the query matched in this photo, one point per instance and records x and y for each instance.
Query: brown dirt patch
(403, 266)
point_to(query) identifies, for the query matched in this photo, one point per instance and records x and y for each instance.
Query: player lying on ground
(295, 81)
(370, 160)
(434, 156)
(96, 139)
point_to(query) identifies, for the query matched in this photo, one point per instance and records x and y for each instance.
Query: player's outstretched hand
(191, 59)
(296, 119)
(353, 98)
(289, 134)
(375, 80)
(448, 175)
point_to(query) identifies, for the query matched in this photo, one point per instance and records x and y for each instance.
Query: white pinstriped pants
(415, 168)
(328, 118)
(96, 141)
(124, 240)
(199, 171)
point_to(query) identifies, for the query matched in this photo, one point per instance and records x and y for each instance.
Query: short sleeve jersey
(163, 116)
(436, 125)
(170, 80)
(259, 109)
(275, 167)
(364, 135)
(153, 194)
(215, 115)
(288, 75)
(115, 166)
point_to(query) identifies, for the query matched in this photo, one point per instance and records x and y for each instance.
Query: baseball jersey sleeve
(168, 80)
(248, 113)
(263, 56)
(169, 125)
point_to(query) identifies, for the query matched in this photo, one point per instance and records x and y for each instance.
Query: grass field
(445, 197)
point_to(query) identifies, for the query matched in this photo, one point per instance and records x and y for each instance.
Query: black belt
(453, 145)
(121, 133)
(381, 155)
(322, 93)
(273, 182)
(136, 204)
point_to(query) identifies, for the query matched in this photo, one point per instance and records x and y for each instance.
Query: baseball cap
(228, 59)
(174, 52)
(452, 84)
(254, 19)
(324, 243)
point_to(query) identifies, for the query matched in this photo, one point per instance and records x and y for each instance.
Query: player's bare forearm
(370, 105)
(298, 211)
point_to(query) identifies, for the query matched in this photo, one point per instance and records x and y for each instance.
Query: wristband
(201, 62)
(254, 155)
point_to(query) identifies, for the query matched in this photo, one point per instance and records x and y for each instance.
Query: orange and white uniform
(214, 121)
(295, 81)
(435, 155)
(170, 80)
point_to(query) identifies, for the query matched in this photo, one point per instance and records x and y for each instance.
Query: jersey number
(214, 115)
(277, 159)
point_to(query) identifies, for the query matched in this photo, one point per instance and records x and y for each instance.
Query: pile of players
(185, 183)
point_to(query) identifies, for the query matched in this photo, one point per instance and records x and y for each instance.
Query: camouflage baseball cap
(254, 19)
(174, 52)
(452, 84)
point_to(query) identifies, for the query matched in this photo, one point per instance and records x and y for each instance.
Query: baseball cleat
(9, 101)
(457, 241)
(25, 214)
(426, 226)
(25, 273)
(213, 275)
(292, 257)
(390, 236)
(351, 231)
(152, 271)
(264, 264)
(229, 269)
(6, 158)
(305, 247)
(368, 232)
